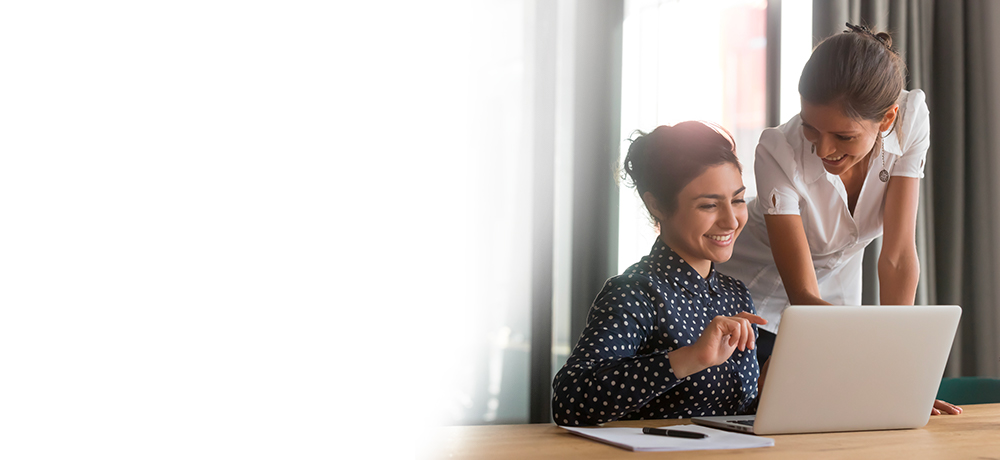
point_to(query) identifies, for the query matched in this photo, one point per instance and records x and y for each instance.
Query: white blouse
(793, 177)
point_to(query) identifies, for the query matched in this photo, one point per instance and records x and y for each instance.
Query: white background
(204, 209)
(243, 229)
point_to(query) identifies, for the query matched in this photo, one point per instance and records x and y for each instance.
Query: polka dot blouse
(619, 369)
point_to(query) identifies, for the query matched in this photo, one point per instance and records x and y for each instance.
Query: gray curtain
(969, 164)
(953, 54)
(592, 128)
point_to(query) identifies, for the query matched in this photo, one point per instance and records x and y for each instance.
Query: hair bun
(885, 38)
(636, 160)
(663, 161)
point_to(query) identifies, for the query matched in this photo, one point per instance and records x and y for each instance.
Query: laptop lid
(839, 368)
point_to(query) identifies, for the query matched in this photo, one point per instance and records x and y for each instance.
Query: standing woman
(671, 337)
(841, 173)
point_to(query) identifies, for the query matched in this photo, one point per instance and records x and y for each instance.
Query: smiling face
(710, 215)
(841, 142)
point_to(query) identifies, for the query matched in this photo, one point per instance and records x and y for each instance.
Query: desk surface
(973, 434)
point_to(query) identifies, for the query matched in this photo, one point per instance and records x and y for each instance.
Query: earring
(814, 149)
(883, 175)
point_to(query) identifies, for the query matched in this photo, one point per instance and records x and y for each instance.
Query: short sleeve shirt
(620, 370)
(791, 180)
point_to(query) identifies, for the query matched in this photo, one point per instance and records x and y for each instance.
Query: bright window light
(690, 60)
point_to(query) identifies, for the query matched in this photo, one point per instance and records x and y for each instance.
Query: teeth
(835, 159)
(720, 238)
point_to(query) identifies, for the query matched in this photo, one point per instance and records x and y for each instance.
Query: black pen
(674, 433)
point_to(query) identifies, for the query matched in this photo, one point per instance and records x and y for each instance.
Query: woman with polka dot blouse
(671, 337)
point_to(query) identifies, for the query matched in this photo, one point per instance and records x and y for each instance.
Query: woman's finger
(748, 330)
(731, 329)
(737, 333)
(945, 407)
(720, 324)
(741, 340)
(746, 321)
(717, 331)
(738, 325)
(751, 317)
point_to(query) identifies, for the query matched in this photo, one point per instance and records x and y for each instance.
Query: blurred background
(274, 228)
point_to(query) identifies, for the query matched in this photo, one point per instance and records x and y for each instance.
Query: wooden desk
(973, 434)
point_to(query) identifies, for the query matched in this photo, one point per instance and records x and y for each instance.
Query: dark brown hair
(668, 158)
(858, 70)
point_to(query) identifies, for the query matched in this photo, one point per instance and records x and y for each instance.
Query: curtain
(577, 95)
(972, 186)
(951, 52)
(537, 149)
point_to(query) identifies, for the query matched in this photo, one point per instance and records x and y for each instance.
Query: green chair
(969, 390)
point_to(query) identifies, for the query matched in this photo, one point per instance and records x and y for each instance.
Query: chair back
(969, 390)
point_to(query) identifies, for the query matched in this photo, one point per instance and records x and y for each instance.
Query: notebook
(838, 368)
(633, 439)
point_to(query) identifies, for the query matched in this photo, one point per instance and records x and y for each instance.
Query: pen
(674, 433)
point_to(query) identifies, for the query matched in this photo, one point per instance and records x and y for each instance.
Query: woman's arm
(898, 265)
(793, 259)
(605, 378)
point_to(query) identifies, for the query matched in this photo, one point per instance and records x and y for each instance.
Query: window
(690, 60)
(696, 60)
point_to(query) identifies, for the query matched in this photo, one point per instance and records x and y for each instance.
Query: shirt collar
(812, 166)
(686, 277)
(890, 143)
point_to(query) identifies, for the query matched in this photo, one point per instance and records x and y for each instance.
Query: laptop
(837, 368)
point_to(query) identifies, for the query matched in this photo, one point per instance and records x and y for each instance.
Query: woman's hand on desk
(717, 343)
(941, 407)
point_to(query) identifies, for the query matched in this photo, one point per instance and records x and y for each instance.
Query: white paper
(635, 440)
